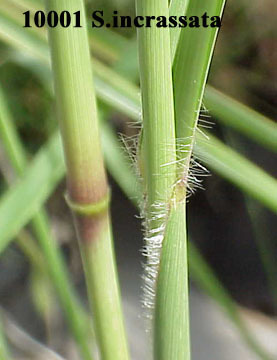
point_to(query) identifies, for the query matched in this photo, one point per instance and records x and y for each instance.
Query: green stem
(165, 208)
(86, 178)
(172, 336)
(157, 104)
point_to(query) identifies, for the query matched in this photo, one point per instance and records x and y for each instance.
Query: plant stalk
(87, 188)
(166, 269)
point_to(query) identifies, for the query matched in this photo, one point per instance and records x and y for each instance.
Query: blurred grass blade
(4, 350)
(261, 232)
(10, 141)
(19, 204)
(32, 5)
(14, 9)
(235, 168)
(204, 275)
(108, 45)
(24, 343)
(111, 87)
(43, 297)
(247, 121)
(265, 245)
(26, 41)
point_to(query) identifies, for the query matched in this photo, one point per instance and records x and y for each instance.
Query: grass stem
(166, 271)
(88, 193)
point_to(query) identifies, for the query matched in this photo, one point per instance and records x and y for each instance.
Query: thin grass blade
(249, 122)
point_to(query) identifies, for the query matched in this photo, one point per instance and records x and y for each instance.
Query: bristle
(130, 146)
(203, 119)
(153, 238)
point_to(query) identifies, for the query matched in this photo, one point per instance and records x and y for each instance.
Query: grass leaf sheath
(87, 194)
(166, 269)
